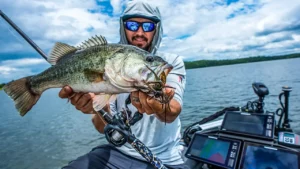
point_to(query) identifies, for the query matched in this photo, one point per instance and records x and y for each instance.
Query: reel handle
(115, 135)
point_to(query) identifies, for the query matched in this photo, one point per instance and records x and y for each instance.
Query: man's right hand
(82, 101)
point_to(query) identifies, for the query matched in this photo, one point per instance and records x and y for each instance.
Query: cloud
(117, 6)
(7, 70)
(286, 20)
(18, 68)
(65, 21)
(24, 62)
(210, 34)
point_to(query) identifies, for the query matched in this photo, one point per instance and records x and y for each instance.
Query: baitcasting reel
(118, 132)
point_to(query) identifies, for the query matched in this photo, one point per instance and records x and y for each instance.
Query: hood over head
(142, 9)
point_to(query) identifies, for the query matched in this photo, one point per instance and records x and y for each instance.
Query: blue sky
(195, 29)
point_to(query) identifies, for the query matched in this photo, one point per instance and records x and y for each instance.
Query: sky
(194, 29)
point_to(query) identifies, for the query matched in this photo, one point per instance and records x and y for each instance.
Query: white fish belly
(101, 87)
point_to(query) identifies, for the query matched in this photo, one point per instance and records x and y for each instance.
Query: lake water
(54, 132)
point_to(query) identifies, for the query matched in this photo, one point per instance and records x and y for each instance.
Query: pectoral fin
(99, 101)
(93, 76)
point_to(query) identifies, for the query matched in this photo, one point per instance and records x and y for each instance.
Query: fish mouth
(166, 69)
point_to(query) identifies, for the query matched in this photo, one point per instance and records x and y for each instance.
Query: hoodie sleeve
(177, 77)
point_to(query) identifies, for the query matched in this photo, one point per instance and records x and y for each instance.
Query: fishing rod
(11, 23)
(118, 132)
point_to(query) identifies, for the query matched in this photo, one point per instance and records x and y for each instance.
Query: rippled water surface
(53, 132)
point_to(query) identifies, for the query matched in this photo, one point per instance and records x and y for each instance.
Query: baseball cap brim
(154, 18)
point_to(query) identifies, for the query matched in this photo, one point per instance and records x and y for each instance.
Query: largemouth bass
(95, 66)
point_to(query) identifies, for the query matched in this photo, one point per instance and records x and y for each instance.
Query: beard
(141, 45)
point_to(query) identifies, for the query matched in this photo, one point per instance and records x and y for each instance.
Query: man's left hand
(149, 105)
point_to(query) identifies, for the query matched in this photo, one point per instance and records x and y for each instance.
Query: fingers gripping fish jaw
(156, 90)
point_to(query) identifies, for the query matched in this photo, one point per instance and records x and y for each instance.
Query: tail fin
(22, 95)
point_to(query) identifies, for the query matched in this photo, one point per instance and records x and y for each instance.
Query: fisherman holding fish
(140, 26)
(93, 74)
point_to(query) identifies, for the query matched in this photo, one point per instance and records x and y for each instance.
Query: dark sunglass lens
(132, 26)
(148, 26)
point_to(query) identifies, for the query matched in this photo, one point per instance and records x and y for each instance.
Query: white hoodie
(162, 139)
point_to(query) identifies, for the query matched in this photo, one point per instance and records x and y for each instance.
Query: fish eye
(149, 58)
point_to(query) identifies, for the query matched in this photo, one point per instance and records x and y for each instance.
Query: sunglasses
(134, 26)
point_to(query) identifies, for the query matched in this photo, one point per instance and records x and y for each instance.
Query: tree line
(208, 63)
(1, 85)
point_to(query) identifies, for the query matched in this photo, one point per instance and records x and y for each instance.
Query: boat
(248, 137)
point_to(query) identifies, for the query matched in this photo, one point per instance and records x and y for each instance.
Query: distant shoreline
(1, 86)
(211, 63)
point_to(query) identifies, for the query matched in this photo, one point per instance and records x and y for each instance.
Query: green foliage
(208, 63)
(1, 85)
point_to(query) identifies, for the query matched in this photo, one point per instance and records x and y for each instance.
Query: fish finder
(249, 124)
(267, 157)
(221, 152)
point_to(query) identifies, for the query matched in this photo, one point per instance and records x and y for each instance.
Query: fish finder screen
(211, 149)
(262, 157)
(220, 152)
(259, 125)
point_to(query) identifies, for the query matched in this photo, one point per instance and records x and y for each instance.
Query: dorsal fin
(59, 50)
(94, 41)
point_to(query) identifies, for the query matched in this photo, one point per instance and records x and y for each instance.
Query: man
(140, 26)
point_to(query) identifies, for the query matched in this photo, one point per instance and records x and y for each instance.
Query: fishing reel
(117, 131)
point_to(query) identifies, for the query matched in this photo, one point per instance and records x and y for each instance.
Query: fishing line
(12, 32)
(12, 24)
(124, 110)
